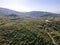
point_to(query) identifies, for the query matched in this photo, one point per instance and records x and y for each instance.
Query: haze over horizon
(32, 5)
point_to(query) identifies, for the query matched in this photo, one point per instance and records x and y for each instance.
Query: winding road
(54, 43)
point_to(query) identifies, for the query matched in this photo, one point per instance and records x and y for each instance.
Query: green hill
(20, 30)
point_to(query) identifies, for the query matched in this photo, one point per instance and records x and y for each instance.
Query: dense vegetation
(17, 30)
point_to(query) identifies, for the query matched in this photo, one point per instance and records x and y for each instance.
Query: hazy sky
(32, 5)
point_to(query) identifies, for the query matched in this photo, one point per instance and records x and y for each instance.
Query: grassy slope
(27, 31)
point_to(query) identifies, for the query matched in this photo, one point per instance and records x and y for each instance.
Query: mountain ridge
(6, 11)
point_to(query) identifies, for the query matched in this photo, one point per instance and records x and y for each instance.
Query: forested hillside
(20, 30)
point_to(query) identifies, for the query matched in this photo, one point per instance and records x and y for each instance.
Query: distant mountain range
(4, 11)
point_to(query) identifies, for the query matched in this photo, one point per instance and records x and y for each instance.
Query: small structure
(47, 21)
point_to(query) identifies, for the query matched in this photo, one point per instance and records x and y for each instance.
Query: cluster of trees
(27, 31)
